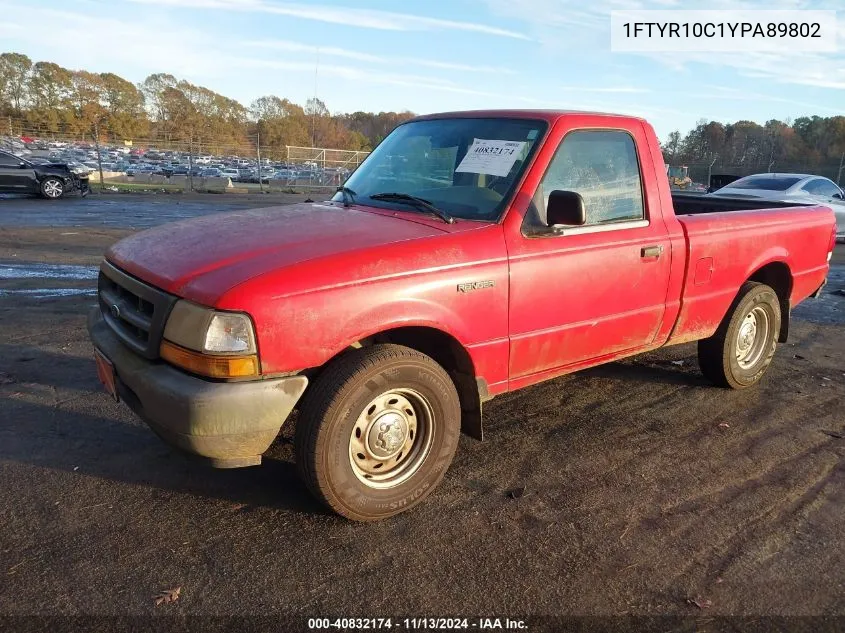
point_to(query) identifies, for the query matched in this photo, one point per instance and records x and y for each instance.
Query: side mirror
(838, 196)
(565, 207)
(22, 165)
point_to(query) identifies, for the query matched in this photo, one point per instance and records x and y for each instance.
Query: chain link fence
(700, 171)
(162, 161)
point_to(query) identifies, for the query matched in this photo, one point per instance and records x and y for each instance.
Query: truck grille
(135, 311)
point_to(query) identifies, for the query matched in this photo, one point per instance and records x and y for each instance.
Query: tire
(52, 188)
(385, 404)
(740, 351)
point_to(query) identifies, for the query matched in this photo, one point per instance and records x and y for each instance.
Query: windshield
(464, 167)
(769, 183)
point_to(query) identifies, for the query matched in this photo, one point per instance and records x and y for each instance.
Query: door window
(602, 166)
(821, 187)
(8, 160)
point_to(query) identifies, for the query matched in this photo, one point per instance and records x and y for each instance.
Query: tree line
(807, 144)
(51, 100)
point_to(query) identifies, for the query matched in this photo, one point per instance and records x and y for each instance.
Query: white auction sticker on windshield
(486, 156)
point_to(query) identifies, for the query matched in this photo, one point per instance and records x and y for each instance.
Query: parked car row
(83, 157)
(805, 189)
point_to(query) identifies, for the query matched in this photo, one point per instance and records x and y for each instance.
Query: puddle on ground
(24, 279)
(829, 307)
(47, 271)
(47, 293)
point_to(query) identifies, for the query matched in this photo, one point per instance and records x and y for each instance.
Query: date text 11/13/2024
(417, 624)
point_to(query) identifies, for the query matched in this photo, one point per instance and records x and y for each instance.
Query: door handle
(649, 252)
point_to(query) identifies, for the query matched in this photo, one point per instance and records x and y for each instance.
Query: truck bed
(693, 204)
(777, 245)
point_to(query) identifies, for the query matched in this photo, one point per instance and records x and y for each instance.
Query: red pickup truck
(471, 254)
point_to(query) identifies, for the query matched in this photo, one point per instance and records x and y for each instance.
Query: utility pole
(710, 170)
(99, 158)
(314, 108)
(258, 152)
(839, 173)
(191, 162)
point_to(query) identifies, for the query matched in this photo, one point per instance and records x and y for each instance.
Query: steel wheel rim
(391, 438)
(52, 189)
(751, 338)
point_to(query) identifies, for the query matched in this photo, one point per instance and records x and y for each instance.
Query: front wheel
(740, 351)
(377, 431)
(52, 188)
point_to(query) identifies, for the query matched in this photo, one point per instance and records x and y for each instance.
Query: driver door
(15, 174)
(597, 290)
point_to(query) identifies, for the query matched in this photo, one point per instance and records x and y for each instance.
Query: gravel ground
(647, 492)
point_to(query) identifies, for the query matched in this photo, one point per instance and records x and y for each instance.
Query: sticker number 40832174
(486, 156)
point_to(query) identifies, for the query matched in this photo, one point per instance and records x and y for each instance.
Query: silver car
(801, 188)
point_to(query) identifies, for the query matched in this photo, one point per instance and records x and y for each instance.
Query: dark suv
(52, 180)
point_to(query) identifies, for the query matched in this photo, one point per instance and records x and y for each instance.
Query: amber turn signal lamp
(209, 365)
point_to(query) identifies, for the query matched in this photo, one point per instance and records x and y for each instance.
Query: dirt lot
(645, 489)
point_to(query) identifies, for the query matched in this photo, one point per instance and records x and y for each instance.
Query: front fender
(405, 313)
(296, 333)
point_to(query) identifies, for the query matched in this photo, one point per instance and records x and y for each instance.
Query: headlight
(229, 333)
(209, 342)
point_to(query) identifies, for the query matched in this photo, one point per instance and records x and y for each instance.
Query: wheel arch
(446, 350)
(778, 276)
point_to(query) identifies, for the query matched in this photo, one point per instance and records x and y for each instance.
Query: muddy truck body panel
(788, 250)
(471, 254)
(371, 270)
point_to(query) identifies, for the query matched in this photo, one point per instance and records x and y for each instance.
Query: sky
(431, 55)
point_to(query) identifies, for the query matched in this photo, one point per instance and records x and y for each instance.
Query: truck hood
(202, 258)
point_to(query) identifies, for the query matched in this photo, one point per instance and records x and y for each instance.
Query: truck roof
(546, 115)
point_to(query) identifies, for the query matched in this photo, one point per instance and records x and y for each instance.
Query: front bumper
(230, 423)
(77, 183)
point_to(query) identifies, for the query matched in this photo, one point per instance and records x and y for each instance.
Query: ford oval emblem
(115, 310)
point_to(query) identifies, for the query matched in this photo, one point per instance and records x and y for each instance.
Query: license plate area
(105, 372)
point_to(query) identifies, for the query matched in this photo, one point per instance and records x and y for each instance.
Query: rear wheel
(740, 351)
(52, 188)
(377, 431)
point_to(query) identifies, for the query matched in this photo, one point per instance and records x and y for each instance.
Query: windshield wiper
(348, 195)
(420, 203)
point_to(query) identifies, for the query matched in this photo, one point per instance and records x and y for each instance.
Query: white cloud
(147, 44)
(567, 26)
(363, 75)
(347, 16)
(721, 93)
(151, 44)
(7, 27)
(320, 52)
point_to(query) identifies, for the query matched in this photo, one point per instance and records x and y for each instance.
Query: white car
(800, 188)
